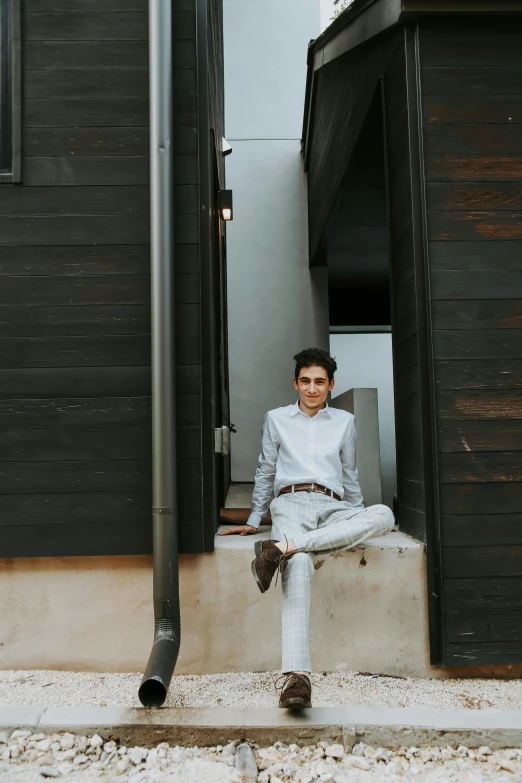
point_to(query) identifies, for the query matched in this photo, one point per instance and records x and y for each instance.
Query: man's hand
(239, 530)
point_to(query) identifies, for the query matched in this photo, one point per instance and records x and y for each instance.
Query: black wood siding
(471, 77)
(75, 437)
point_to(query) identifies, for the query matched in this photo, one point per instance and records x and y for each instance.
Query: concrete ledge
(368, 612)
(218, 725)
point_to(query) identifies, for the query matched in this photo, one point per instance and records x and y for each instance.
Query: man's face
(313, 387)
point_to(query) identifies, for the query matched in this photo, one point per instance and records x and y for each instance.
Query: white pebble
(67, 741)
(335, 751)
(137, 755)
(358, 750)
(96, 741)
(356, 761)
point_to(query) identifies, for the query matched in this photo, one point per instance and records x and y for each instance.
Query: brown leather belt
(309, 488)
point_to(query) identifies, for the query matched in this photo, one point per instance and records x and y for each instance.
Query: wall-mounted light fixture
(225, 204)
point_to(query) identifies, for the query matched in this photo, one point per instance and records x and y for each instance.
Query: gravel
(54, 688)
(36, 758)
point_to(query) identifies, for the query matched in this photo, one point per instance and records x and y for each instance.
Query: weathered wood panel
(476, 255)
(482, 593)
(472, 113)
(87, 112)
(484, 626)
(490, 498)
(39, 55)
(466, 467)
(475, 374)
(74, 260)
(76, 290)
(75, 476)
(467, 139)
(27, 446)
(75, 229)
(81, 539)
(81, 83)
(63, 142)
(455, 167)
(482, 530)
(477, 344)
(477, 313)
(482, 284)
(75, 382)
(86, 24)
(486, 435)
(79, 201)
(127, 350)
(473, 109)
(107, 170)
(477, 404)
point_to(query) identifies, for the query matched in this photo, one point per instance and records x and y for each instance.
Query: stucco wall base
(369, 613)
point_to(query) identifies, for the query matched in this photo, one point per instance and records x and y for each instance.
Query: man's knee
(383, 516)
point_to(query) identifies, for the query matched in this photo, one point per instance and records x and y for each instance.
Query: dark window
(10, 91)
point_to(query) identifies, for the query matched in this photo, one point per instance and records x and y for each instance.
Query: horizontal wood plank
(32, 6)
(105, 170)
(75, 260)
(79, 476)
(479, 404)
(80, 290)
(63, 142)
(482, 284)
(473, 197)
(483, 653)
(473, 138)
(34, 445)
(493, 43)
(485, 226)
(472, 167)
(482, 435)
(81, 413)
(477, 344)
(473, 109)
(471, 80)
(85, 54)
(475, 255)
(412, 522)
(481, 562)
(86, 112)
(477, 314)
(83, 83)
(107, 350)
(483, 626)
(467, 467)
(411, 494)
(85, 24)
(481, 530)
(477, 374)
(127, 200)
(498, 498)
(74, 229)
(483, 593)
(75, 382)
(79, 539)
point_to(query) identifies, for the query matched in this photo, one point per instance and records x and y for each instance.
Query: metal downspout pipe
(165, 648)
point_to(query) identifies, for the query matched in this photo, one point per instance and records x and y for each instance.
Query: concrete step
(387, 727)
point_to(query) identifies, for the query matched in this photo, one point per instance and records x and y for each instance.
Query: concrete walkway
(387, 727)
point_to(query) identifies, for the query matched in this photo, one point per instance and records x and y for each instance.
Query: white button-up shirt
(301, 449)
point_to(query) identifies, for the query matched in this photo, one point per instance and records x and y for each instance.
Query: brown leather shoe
(296, 693)
(268, 560)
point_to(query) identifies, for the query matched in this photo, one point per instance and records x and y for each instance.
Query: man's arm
(352, 490)
(265, 473)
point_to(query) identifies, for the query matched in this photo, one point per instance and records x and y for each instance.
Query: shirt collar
(296, 409)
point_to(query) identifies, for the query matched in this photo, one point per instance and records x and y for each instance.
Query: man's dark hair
(315, 357)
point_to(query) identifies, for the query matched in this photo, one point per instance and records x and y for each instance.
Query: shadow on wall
(365, 361)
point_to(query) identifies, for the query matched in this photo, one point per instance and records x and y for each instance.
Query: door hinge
(222, 440)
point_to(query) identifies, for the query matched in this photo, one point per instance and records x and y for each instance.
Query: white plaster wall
(276, 305)
(365, 361)
(265, 48)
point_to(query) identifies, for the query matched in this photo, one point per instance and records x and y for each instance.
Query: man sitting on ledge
(307, 463)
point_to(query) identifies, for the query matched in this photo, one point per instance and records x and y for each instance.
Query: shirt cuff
(254, 519)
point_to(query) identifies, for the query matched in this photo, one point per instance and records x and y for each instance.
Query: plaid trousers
(318, 524)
